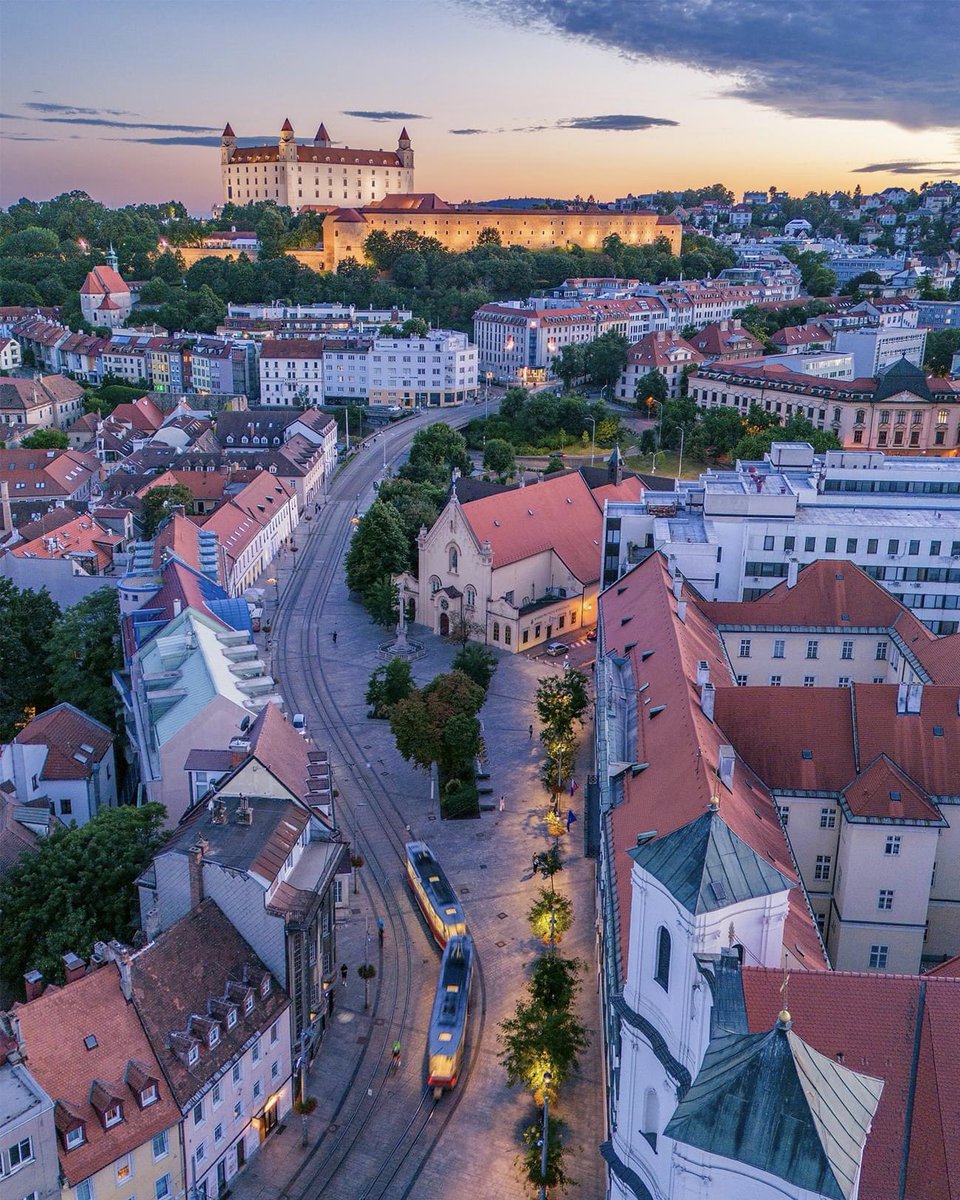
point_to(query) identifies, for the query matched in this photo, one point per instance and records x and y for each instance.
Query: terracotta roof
(238, 521)
(882, 790)
(74, 741)
(950, 968)
(228, 131)
(54, 1028)
(141, 414)
(101, 281)
(681, 745)
(561, 515)
(285, 348)
(80, 538)
(15, 837)
(662, 349)
(725, 337)
(196, 961)
(879, 1023)
(801, 335)
(286, 127)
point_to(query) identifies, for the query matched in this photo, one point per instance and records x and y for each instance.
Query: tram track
(342, 1151)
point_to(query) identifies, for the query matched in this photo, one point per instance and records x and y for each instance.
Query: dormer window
(231, 1018)
(214, 1036)
(113, 1116)
(248, 1004)
(193, 1055)
(148, 1095)
(74, 1137)
(265, 986)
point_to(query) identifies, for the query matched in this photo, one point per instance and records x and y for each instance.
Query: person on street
(396, 1054)
(531, 733)
(503, 801)
(343, 974)
(334, 636)
(380, 929)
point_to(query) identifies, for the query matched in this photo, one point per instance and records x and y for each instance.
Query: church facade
(312, 174)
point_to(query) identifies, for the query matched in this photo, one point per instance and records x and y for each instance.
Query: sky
(127, 99)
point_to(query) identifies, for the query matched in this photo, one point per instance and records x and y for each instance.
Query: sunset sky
(126, 100)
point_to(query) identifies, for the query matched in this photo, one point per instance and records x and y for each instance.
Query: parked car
(555, 648)
(299, 722)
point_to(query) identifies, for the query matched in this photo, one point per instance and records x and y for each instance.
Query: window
(507, 635)
(843, 681)
(123, 1168)
(434, 584)
(885, 900)
(651, 1117)
(257, 1087)
(248, 1004)
(742, 680)
(851, 545)
(72, 1139)
(776, 680)
(217, 1094)
(768, 542)
(162, 1187)
(218, 1133)
(662, 975)
(783, 812)
(878, 957)
(496, 631)
(831, 546)
(238, 1110)
(198, 1113)
(85, 1190)
(200, 1153)
(779, 648)
(873, 545)
(892, 845)
(809, 681)
(113, 1116)
(255, 1051)
(813, 648)
(846, 650)
(828, 818)
(881, 651)
(934, 548)
(274, 1033)
(788, 544)
(893, 546)
(148, 1096)
(821, 870)
(744, 647)
(809, 545)
(66, 806)
(453, 559)
(161, 1146)
(275, 1069)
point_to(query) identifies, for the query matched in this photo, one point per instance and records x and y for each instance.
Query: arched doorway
(444, 625)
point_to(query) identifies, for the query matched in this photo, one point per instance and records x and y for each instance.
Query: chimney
(177, 606)
(195, 866)
(725, 765)
(677, 585)
(73, 967)
(6, 514)
(123, 961)
(219, 816)
(708, 696)
(703, 672)
(33, 983)
(682, 610)
(244, 812)
(793, 570)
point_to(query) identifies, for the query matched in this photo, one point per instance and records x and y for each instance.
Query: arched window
(651, 1116)
(471, 597)
(662, 975)
(434, 584)
(496, 631)
(453, 558)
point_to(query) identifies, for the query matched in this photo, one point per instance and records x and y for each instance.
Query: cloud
(73, 110)
(621, 121)
(384, 115)
(103, 123)
(909, 168)
(23, 137)
(467, 132)
(847, 60)
(188, 140)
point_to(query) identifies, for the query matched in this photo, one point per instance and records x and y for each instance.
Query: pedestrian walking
(531, 733)
(334, 636)
(503, 801)
(343, 974)
(380, 929)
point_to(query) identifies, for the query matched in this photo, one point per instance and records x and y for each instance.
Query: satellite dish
(244, 724)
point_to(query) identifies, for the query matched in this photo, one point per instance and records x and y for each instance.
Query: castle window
(662, 974)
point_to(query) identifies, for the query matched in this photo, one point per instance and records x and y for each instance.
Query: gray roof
(771, 1101)
(706, 866)
(903, 376)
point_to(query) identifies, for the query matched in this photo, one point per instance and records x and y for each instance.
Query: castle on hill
(313, 174)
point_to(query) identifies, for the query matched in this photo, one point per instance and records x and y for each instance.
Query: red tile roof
(882, 790)
(80, 538)
(872, 1021)
(661, 349)
(74, 740)
(54, 1027)
(682, 745)
(558, 514)
(101, 281)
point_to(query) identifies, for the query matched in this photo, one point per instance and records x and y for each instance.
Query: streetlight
(546, 1133)
(654, 400)
(680, 460)
(276, 584)
(593, 438)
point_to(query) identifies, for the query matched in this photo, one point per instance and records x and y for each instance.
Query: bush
(459, 800)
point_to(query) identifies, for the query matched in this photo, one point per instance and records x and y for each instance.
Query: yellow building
(457, 229)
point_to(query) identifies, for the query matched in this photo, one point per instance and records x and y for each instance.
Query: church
(104, 297)
(312, 174)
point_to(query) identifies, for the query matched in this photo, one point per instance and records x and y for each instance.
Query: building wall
(243, 899)
(943, 914)
(144, 1172)
(876, 349)
(215, 724)
(40, 1175)
(458, 231)
(828, 668)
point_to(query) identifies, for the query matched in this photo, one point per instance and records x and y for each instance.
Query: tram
(437, 899)
(448, 1021)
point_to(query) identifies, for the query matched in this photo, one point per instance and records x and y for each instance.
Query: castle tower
(404, 150)
(228, 145)
(288, 143)
(323, 138)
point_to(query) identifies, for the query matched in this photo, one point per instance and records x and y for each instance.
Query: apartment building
(28, 1137)
(664, 351)
(251, 526)
(735, 533)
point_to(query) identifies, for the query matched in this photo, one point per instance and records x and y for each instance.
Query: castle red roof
(228, 131)
(286, 127)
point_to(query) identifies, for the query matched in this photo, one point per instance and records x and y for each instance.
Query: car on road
(555, 648)
(592, 635)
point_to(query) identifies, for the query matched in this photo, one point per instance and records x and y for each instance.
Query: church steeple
(322, 138)
(228, 144)
(112, 260)
(404, 142)
(288, 144)
(405, 149)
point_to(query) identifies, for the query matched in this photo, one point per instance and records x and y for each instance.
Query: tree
(76, 888)
(46, 439)
(561, 701)
(650, 387)
(380, 601)
(550, 916)
(942, 345)
(568, 366)
(605, 359)
(27, 622)
(419, 723)
(556, 1176)
(159, 502)
(415, 327)
(378, 548)
(488, 236)
(498, 457)
(476, 663)
(537, 1039)
(439, 447)
(555, 981)
(84, 652)
(366, 971)
(388, 685)
(722, 428)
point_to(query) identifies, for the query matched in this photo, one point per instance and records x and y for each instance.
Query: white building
(9, 354)
(736, 533)
(880, 347)
(317, 174)
(104, 296)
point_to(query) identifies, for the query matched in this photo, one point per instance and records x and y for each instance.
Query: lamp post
(276, 584)
(659, 403)
(384, 436)
(593, 438)
(546, 1134)
(680, 460)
